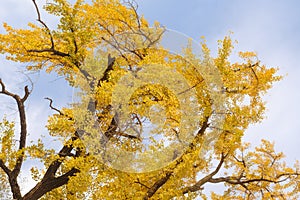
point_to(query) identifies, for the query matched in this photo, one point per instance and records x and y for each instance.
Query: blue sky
(270, 28)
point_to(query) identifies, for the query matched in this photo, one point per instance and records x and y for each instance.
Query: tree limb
(13, 174)
(53, 108)
(198, 186)
(52, 48)
(159, 183)
(43, 23)
(4, 167)
(49, 184)
(49, 181)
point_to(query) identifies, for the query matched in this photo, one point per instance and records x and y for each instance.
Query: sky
(270, 28)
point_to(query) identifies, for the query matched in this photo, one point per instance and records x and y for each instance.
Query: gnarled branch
(13, 174)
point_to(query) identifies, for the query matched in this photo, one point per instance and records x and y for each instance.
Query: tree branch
(23, 135)
(238, 180)
(110, 64)
(53, 108)
(43, 23)
(159, 183)
(142, 184)
(198, 186)
(49, 181)
(151, 191)
(48, 185)
(4, 167)
(65, 150)
(12, 175)
(52, 48)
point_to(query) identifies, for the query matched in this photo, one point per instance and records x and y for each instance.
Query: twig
(52, 48)
(43, 23)
(53, 108)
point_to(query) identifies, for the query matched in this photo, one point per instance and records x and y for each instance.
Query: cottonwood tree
(93, 47)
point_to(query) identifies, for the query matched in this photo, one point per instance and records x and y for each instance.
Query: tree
(106, 142)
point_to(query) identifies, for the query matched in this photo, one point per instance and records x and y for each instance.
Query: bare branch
(142, 184)
(237, 180)
(52, 48)
(12, 175)
(23, 135)
(198, 186)
(43, 23)
(184, 91)
(53, 108)
(4, 167)
(26, 94)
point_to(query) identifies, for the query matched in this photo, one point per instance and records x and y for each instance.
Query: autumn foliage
(93, 47)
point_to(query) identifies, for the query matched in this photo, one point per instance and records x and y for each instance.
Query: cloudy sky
(270, 28)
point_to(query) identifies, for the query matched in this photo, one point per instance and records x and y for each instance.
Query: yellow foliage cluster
(94, 46)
